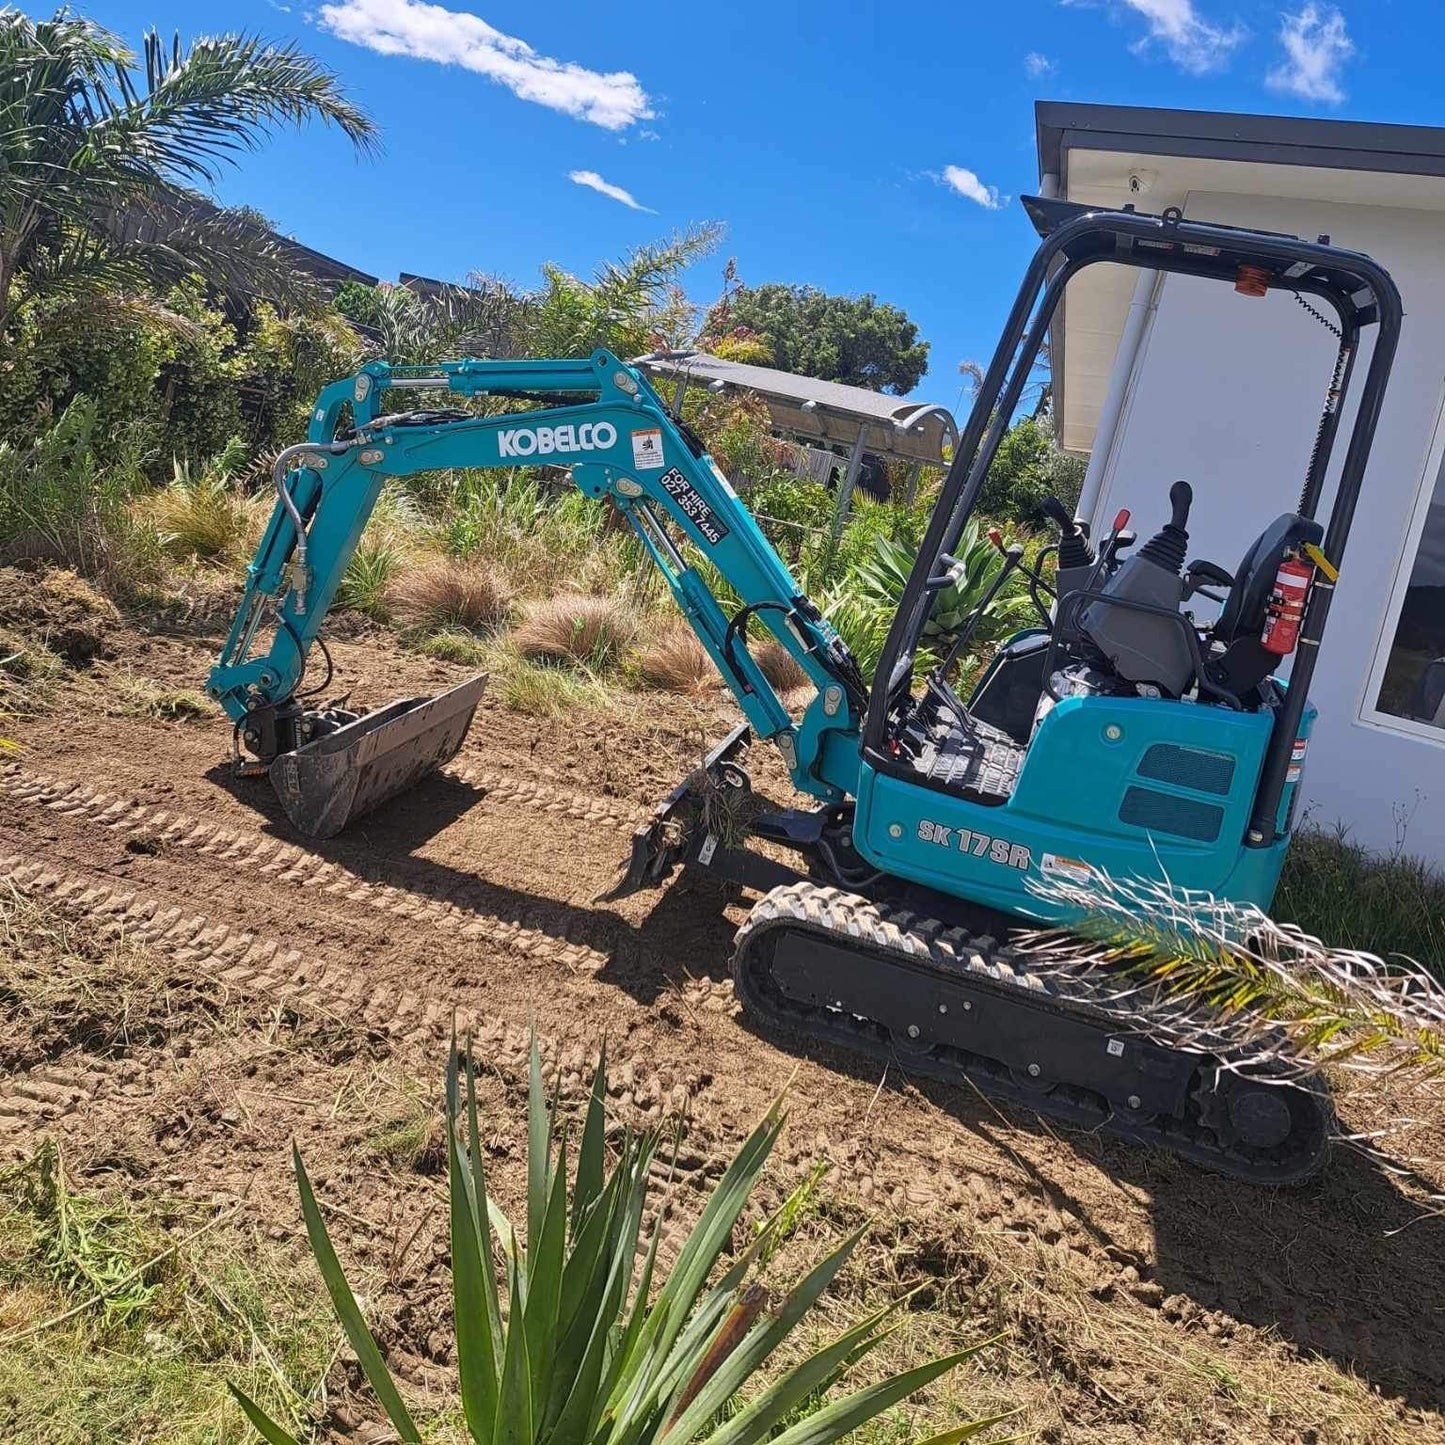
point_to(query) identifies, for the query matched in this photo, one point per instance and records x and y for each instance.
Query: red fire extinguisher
(1286, 609)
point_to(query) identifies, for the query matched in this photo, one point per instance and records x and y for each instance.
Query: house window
(1412, 684)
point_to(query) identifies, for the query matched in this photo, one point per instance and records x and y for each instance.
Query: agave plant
(881, 579)
(593, 1348)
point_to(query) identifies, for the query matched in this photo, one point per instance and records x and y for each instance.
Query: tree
(854, 339)
(1027, 468)
(630, 306)
(96, 166)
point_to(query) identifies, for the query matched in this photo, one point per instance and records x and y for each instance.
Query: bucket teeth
(328, 783)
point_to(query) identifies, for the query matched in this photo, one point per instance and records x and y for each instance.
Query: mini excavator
(1121, 737)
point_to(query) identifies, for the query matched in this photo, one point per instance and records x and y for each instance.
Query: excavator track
(889, 983)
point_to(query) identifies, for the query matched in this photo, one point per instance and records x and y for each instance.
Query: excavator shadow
(383, 849)
(1346, 1265)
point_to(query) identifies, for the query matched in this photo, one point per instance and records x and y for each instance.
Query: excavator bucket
(328, 783)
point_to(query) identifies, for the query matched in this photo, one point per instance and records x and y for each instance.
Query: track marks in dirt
(157, 829)
(543, 798)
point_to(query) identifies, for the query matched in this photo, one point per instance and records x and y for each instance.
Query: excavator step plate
(327, 784)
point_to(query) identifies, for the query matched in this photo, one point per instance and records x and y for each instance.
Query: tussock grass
(777, 664)
(366, 585)
(673, 660)
(576, 627)
(389, 543)
(442, 592)
(207, 517)
(549, 689)
(1351, 898)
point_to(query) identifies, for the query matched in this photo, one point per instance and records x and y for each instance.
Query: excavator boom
(601, 419)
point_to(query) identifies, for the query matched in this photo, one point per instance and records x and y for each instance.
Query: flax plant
(580, 1337)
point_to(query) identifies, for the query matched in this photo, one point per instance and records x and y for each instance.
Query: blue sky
(855, 147)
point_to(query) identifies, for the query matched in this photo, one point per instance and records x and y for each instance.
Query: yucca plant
(587, 1344)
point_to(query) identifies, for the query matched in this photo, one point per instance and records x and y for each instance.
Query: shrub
(575, 627)
(59, 504)
(673, 660)
(592, 1349)
(441, 592)
(1027, 468)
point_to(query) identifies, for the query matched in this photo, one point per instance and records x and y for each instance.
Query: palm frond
(222, 96)
(1196, 972)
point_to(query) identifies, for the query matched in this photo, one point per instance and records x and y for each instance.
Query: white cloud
(611, 99)
(968, 185)
(1316, 46)
(594, 182)
(1037, 65)
(1191, 42)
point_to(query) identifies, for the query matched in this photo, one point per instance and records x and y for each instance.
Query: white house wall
(1226, 393)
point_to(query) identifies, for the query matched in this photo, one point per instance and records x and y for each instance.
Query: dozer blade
(329, 783)
(666, 838)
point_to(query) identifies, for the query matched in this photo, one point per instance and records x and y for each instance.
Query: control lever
(954, 572)
(1199, 572)
(1012, 558)
(1117, 539)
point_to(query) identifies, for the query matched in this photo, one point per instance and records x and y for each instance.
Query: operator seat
(1244, 662)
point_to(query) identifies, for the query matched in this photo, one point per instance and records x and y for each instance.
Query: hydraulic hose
(279, 470)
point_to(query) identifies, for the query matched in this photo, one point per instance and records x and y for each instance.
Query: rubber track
(286, 863)
(951, 952)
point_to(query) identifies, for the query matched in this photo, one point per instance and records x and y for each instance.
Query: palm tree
(97, 168)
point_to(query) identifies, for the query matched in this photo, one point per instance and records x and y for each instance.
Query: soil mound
(56, 608)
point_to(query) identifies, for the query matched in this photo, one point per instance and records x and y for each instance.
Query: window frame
(1432, 480)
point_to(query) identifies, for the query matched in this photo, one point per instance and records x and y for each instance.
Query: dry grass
(442, 592)
(574, 627)
(778, 665)
(673, 660)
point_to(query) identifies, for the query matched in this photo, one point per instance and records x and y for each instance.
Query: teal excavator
(1140, 730)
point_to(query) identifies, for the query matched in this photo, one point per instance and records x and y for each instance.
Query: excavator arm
(600, 418)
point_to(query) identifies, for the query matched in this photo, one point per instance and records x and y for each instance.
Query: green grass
(546, 689)
(1351, 898)
(151, 1360)
(451, 645)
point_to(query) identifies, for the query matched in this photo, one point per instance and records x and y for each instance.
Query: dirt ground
(307, 990)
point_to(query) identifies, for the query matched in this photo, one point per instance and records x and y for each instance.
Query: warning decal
(647, 450)
(1074, 870)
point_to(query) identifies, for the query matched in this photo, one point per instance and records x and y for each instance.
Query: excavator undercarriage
(929, 984)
